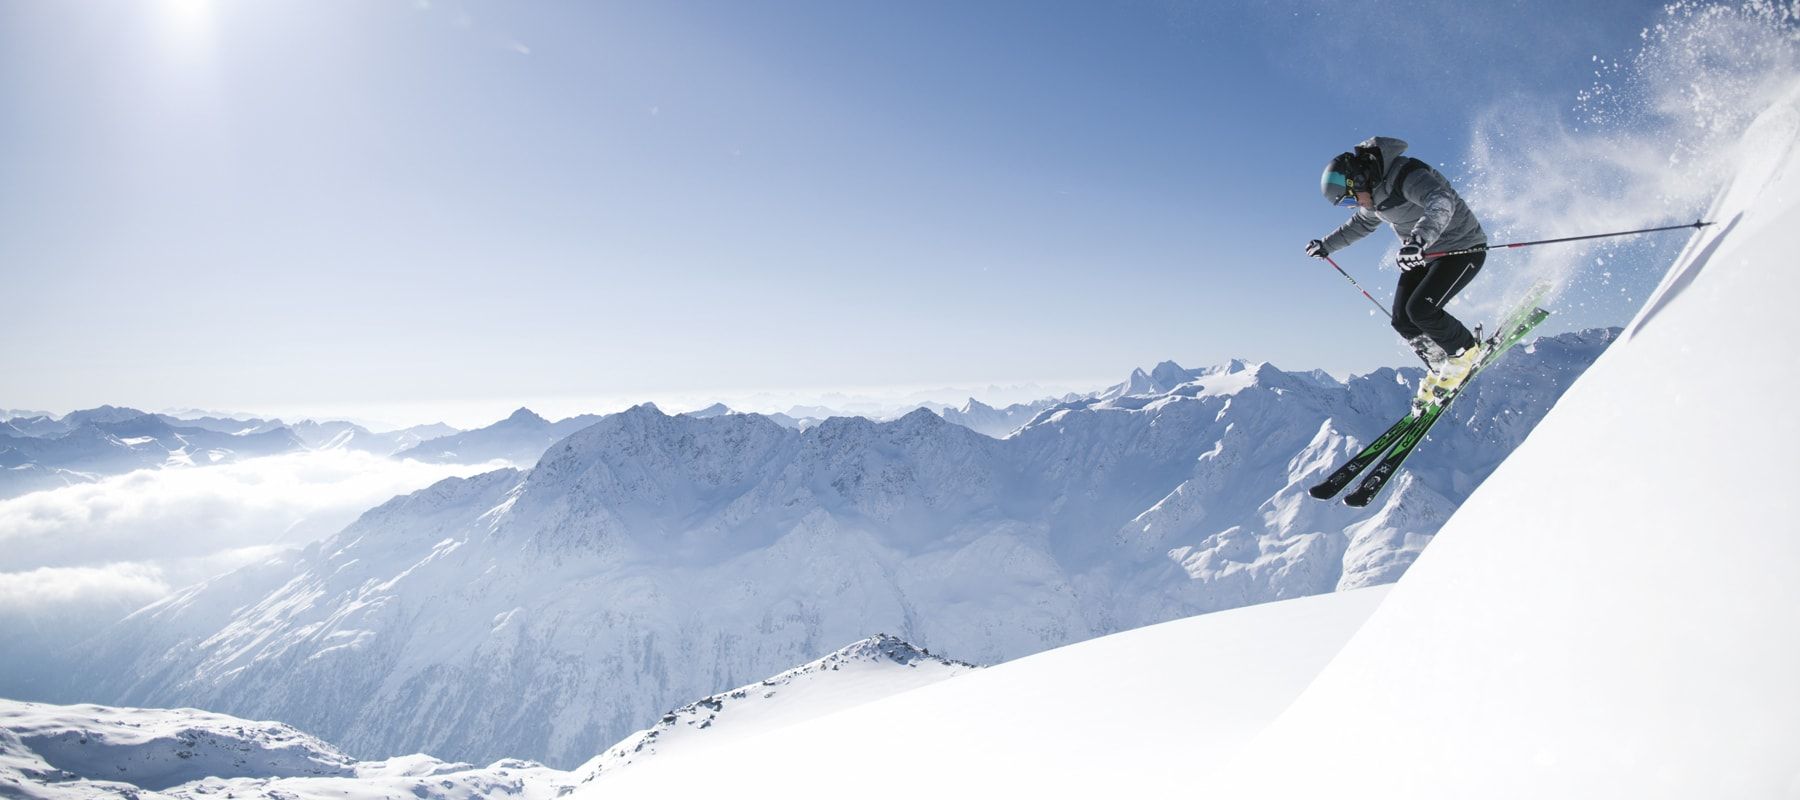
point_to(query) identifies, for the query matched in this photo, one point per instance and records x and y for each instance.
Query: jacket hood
(1390, 148)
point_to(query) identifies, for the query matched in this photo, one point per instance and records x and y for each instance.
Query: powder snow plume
(1650, 143)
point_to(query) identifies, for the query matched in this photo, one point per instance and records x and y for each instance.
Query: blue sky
(280, 205)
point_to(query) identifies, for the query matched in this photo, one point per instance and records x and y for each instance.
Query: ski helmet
(1347, 174)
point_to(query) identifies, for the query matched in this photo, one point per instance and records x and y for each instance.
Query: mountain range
(107, 441)
(65, 451)
(44, 452)
(648, 559)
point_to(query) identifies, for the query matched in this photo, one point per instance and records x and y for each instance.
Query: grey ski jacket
(1426, 206)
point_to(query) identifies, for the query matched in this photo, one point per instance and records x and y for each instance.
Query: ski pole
(1365, 292)
(1483, 248)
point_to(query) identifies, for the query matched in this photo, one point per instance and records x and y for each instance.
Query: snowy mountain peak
(1139, 382)
(1169, 374)
(973, 406)
(995, 422)
(1166, 376)
(883, 646)
(646, 408)
(102, 414)
(714, 410)
(921, 417)
(525, 416)
(1264, 371)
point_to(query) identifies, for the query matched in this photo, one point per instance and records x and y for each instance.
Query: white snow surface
(864, 672)
(1613, 613)
(88, 751)
(154, 749)
(1164, 706)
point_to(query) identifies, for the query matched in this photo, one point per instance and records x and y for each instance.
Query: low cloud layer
(50, 588)
(77, 558)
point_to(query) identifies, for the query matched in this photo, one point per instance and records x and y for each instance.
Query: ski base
(1342, 477)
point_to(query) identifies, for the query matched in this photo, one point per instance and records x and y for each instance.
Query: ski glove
(1412, 254)
(1316, 249)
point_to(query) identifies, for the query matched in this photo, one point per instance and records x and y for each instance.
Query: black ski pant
(1419, 300)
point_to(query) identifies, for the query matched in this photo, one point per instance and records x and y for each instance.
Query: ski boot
(1452, 372)
(1446, 372)
(1435, 362)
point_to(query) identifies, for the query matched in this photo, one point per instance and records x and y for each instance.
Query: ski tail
(1342, 477)
(1377, 478)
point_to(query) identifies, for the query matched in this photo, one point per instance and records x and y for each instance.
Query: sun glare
(187, 23)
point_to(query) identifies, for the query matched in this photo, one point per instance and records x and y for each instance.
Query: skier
(1426, 213)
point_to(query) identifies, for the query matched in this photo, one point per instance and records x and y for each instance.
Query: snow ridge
(158, 749)
(875, 667)
(91, 751)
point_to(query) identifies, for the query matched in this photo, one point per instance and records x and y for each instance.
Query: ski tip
(1357, 500)
(1321, 492)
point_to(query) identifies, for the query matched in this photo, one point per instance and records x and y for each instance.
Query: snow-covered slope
(156, 749)
(90, 751)
(863, 672)
(648, 560)
(1151, 712)
(85, 752)
(1654, 653)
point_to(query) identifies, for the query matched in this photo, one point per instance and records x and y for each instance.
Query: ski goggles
(1348, 198)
